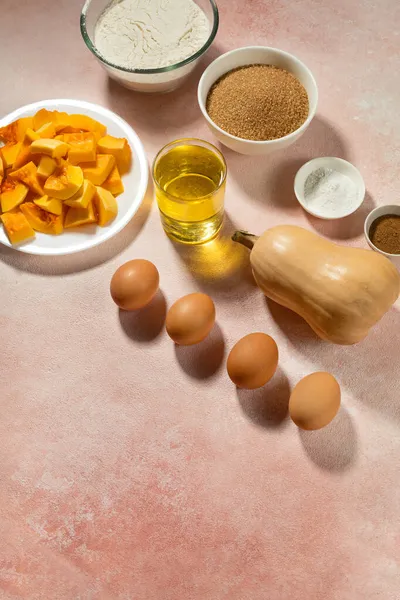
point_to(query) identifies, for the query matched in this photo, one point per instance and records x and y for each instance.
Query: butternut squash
(17, 227)
(24, 153)
(117, 147)
(46, 167)
(42, 220)
(64, 182)
(49, 147)
(9, 153)
(44, 116)
(82, 147)
(14, 132)
(28, 175)
(113, 183)
(76, 217)
(341, 292)
(106, 206)
(51, 205)
(98, 171)
(47, 130)
(83, 196)
(85, 123)
(12, 195)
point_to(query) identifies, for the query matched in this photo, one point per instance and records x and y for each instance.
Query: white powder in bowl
(330, 193)
(149, 34)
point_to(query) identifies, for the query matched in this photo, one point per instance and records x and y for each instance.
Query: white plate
(135, 182)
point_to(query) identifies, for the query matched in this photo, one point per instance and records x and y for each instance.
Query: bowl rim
(257, 143)
(387, 207)
(188, 60)
(182, 141)
(338, 160)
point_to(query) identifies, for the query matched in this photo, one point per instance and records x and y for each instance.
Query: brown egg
(315, 401)
(134, 284)
(253, 361)
(190, 319)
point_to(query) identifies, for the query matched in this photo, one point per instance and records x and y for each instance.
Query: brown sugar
(384, 233)
(258, 102)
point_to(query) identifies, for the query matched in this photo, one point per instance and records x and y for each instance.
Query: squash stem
(245, 238)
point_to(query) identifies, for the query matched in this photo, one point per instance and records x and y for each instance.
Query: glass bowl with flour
(149, 45)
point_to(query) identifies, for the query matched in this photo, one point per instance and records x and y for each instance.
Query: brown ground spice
(258, 102)
(385, 233)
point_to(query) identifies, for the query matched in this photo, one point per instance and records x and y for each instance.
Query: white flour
(329, 193)
(148, 34)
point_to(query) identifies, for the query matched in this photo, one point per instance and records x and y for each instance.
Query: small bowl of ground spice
(257, 100)
(382, 231)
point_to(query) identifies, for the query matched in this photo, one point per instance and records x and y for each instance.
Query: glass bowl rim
(158, 70)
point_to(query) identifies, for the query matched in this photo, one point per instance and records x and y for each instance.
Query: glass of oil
(190, 178)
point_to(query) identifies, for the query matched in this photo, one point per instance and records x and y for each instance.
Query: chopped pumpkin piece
(82, 147)
(41, 220)
(105, 205)
(113, 183)
(119, 148)
(30, 136)
(24, 154)
(17, 227)
(71, 130)
(28, 175)
(64, 182)
(49, 147)
(85, 123)
(97, 136)
(14, 132)
(47, 130)
(9, 153)
(82, 198)
(52, 205)
(46, 167)
(12, 196)
(98, 171)
(80, 216)
(44, 116)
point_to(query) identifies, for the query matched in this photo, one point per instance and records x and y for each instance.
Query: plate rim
(141, 156)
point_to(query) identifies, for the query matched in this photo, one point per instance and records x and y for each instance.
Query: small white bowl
(250, 56)
(336, 164)
(388, 209)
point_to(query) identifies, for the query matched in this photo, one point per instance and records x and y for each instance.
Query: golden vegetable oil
(190, 178)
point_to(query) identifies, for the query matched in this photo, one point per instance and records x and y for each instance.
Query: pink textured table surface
(131, 469)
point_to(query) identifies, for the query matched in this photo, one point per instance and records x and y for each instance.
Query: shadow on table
(220, 267)
(159, 112)
(333, 448)
(203, 360)
(268, 406)
(269, 179)
(87, 259)
(369, 369)
(147, 324)
(344, 229)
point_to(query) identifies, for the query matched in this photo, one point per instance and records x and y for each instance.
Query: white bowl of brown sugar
(257, 100)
